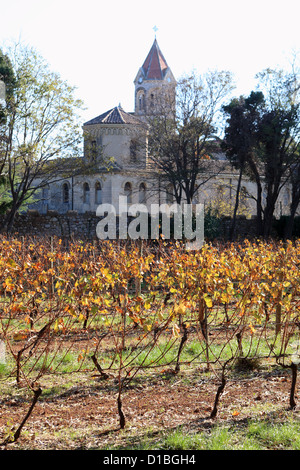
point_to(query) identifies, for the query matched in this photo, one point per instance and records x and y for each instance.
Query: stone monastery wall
(83, 226)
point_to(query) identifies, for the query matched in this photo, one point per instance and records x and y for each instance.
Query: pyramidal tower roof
(114, 116)
(155, 65)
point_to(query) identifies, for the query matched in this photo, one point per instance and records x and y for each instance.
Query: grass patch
(3, 369)
(285, 436)
(253, 435)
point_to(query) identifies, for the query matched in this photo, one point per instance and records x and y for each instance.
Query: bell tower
(154, 84)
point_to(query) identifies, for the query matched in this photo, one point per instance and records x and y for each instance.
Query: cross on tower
(155, 29)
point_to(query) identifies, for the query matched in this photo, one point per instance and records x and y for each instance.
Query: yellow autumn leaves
(150, 284)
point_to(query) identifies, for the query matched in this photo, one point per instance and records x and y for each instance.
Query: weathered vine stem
(16, 435)
(294, 369)
(98, 367)
(183, 340)
(220, 390)
(120, 411)
(293, 386)
(218, 394)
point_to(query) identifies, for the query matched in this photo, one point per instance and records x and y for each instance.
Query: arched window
(141, 100)
(169, 194)
(86, 193)
(98, 193)
(128, 192)
(152, 100)
(65, 193)
(142, 193)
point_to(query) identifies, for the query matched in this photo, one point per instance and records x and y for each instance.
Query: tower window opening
(141, 101)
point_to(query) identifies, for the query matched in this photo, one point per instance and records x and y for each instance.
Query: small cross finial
(155, 29)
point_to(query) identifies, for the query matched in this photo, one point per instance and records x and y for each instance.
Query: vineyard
(122, 316)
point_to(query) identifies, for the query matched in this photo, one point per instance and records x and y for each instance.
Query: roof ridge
(121, 111)
(116, 115)
(108, 114)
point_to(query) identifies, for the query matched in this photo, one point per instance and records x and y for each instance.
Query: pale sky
(99, 45)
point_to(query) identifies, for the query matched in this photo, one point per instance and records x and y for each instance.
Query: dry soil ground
(84, 416)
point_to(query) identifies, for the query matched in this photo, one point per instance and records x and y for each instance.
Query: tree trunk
(183, 340)
(10, 218)
(288, 229)
(121, 414)
(293, 387)
(233, 224)
(219, 393)
(259, 211)
(17, 434)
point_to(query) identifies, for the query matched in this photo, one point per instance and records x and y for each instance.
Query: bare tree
(43, 134)
(7, 86)
(182, 132)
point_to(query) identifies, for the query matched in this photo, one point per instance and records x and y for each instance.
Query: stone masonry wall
(55, 224)
(83, 226)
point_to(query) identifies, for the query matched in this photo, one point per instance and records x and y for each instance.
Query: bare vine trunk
(120, 411)
(218, 395)
(183, 340)
(293, 386)
(17, 434)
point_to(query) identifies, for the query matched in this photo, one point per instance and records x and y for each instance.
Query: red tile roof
(114, 116)
(155, 65)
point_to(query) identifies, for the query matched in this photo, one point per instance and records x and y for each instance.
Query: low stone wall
(245, 228)
(72, 224)
(54, 224)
